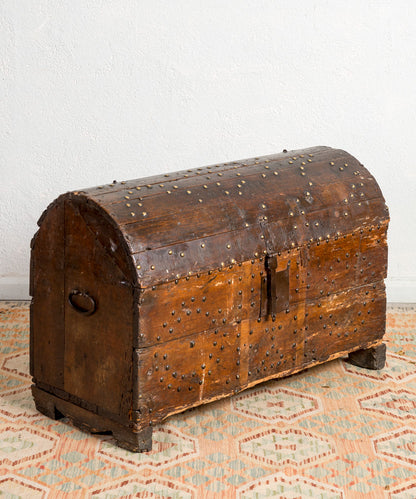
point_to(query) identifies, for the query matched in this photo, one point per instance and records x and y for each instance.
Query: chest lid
(179, 224)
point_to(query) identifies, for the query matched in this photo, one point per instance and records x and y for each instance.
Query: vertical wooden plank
(275, 345)
(47, 289)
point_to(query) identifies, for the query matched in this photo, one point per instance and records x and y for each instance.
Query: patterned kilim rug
(334, 431)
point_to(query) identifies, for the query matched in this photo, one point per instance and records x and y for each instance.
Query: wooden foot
(370, 358)
(45, 404)
(134, 442)
(56, 408)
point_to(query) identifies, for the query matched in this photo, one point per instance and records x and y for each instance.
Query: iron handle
(82, 302)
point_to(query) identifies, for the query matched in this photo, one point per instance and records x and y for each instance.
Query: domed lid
(191, 221)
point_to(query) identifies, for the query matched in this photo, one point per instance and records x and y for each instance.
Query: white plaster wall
(92, 91)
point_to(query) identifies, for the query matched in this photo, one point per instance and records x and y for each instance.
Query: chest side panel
(98, 347)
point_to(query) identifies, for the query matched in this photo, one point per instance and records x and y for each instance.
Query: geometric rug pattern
(334, 431)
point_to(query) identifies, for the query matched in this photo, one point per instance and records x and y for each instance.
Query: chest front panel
(214, 333)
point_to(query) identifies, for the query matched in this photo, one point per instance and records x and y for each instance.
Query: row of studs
(269, 353)
(209, 170)
(218, 184)
(295, 318)
(308, 244)
(233, 261)
(233, 320)
(220, 174)
(263, 205)
(165, 368)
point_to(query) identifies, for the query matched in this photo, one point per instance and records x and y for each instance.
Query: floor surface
(334, 431)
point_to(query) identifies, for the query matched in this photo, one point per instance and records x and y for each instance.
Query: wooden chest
(151, 296)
